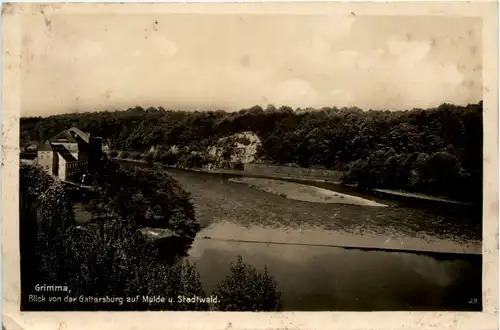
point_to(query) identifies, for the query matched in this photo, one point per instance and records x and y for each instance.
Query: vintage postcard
(183, 161)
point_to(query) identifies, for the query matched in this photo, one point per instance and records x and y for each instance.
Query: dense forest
(112, 258)
(436, 151)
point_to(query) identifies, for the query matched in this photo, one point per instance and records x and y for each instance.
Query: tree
(444, 172)
(329, 137)
(179, 280)
(169, 158)
(419, 174)
(194, 160)
(45, 215)
(146, 197)
(246, 289)
(114, 258)
(54, 215)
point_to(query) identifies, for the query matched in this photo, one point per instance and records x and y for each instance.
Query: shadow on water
(338, 279)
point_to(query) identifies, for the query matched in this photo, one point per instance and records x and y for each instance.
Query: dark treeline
(111, 257)
(435, 151)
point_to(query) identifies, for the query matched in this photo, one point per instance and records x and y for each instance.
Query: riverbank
(305, 193)
(270, 218)
(378, 192)
(405, 194)
(244, 173)
(217, 200)
(239, 173)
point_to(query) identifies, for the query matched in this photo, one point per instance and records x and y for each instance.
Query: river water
(328, 279)
(239, 220)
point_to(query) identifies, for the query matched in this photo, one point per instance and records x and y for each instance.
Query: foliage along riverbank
(392, 194)
(303, 192)
(112, 258)
(423, 226)
(434, 151)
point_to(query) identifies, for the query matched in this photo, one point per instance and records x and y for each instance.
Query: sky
(79, 63)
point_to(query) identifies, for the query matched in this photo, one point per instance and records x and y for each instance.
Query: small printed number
(473, 301)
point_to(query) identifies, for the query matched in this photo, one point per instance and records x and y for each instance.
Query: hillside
(435, 151)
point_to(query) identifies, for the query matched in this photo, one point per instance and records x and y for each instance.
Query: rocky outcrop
(233, 151)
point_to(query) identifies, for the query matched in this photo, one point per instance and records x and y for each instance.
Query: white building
(66, 155)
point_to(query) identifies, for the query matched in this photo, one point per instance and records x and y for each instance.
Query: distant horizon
(248, 108)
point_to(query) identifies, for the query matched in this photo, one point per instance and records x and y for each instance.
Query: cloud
(309, 46)
(408, 51)
(401, 76)
(419, 80)
(231, 63)
(341, 98)
(294, 92)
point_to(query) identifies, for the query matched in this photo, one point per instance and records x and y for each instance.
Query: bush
(125, 155)
(137, 157)
(113, 258)
(45, 215)
(169, 158)
(194, 160)
(246, 289)
(443, 174)
(117, 260)
(153, 199)
(382, 169)
(180, 279)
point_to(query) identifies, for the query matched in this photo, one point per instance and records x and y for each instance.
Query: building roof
(72, 135)
(46, 146)
(64, 153)
(82, 135)
(64, 137)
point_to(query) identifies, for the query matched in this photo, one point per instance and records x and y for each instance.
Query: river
(314, 277)
(299, 243)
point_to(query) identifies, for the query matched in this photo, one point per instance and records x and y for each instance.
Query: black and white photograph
(250, 162)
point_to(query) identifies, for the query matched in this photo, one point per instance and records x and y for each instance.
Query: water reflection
(325, 278)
